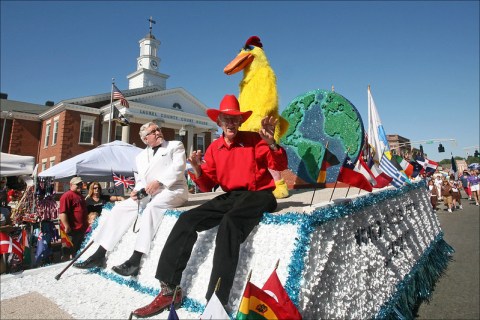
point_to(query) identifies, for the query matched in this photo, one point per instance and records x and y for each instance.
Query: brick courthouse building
(55, 132)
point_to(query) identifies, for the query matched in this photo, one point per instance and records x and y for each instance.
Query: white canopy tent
(15, 165)
(97, 164)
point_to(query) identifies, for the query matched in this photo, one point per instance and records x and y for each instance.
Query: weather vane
(151, 21)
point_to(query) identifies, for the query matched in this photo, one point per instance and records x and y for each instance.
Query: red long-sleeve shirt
(241, 166)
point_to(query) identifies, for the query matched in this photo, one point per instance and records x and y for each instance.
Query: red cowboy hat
(228, 106)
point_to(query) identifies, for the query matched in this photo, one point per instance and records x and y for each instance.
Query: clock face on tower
(153, 63)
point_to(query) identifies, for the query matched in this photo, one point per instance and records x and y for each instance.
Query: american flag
(118, 95)
(127, 182)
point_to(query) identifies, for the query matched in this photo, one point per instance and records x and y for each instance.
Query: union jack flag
(127, 182)
(118, 95)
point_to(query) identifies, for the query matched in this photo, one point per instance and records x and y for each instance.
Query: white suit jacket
(166, 166)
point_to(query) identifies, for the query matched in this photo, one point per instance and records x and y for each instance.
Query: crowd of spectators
(449, 188)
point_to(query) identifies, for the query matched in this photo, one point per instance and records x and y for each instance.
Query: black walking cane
(57, 277)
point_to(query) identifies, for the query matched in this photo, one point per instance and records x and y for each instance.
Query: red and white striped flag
(118, 95)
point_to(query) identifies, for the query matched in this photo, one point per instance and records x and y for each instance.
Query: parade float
(373, 255)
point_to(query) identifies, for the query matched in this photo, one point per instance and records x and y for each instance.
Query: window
(44, 164)
(55, 132)
(87, 125)
(52, 162)
(47, 134)
(201, 143)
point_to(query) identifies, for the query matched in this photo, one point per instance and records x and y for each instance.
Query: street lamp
(182, 132)
(8, 114)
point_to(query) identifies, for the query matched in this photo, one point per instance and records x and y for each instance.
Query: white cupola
(148, 64)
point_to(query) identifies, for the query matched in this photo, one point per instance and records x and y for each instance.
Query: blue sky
(421, 58)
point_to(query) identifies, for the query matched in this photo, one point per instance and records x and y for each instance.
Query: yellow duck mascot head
(258, 93)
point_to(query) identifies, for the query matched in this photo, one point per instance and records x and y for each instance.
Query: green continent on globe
(342, 119)
(316, 118)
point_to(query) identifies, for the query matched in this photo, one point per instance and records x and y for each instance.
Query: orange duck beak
(241, 61)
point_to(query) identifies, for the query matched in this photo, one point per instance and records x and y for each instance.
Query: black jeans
(236, 213)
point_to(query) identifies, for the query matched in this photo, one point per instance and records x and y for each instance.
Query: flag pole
(336, 181)
(111, 111)
(333, 191)
(276, 264)
(347, 191)
(313, 195)
(315, 187)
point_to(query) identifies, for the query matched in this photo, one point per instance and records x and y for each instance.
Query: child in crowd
(438, 184)
(465, 186)
(447, 194)
(91, 218)
(456, 196)
(433, 193)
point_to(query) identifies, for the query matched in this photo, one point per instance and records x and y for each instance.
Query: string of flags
(380, 167)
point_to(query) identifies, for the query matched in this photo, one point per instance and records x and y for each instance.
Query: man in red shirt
(238, 161)
(74, 214)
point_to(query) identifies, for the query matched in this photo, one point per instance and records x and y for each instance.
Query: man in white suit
(160, 185)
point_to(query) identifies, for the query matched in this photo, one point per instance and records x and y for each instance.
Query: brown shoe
(160, 303)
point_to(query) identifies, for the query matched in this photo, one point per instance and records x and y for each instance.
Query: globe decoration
(316, 118)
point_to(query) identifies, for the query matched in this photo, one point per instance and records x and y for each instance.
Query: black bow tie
(156, 148)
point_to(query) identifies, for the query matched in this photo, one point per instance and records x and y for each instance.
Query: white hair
(143, 130)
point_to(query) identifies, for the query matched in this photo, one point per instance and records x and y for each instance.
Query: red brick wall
(67, 145)
(25, 134)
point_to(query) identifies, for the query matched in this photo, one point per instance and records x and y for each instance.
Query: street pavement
(456, 294)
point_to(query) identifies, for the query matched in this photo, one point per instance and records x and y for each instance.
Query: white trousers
(124, 213)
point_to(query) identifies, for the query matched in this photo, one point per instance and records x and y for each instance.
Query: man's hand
(153, 187)
(133, 195)
(64, 220)
(268, 129)
(195, 159)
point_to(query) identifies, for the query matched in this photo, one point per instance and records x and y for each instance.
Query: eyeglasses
(233, 120)
(153, 131)
(96, 188)
(79, 184)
